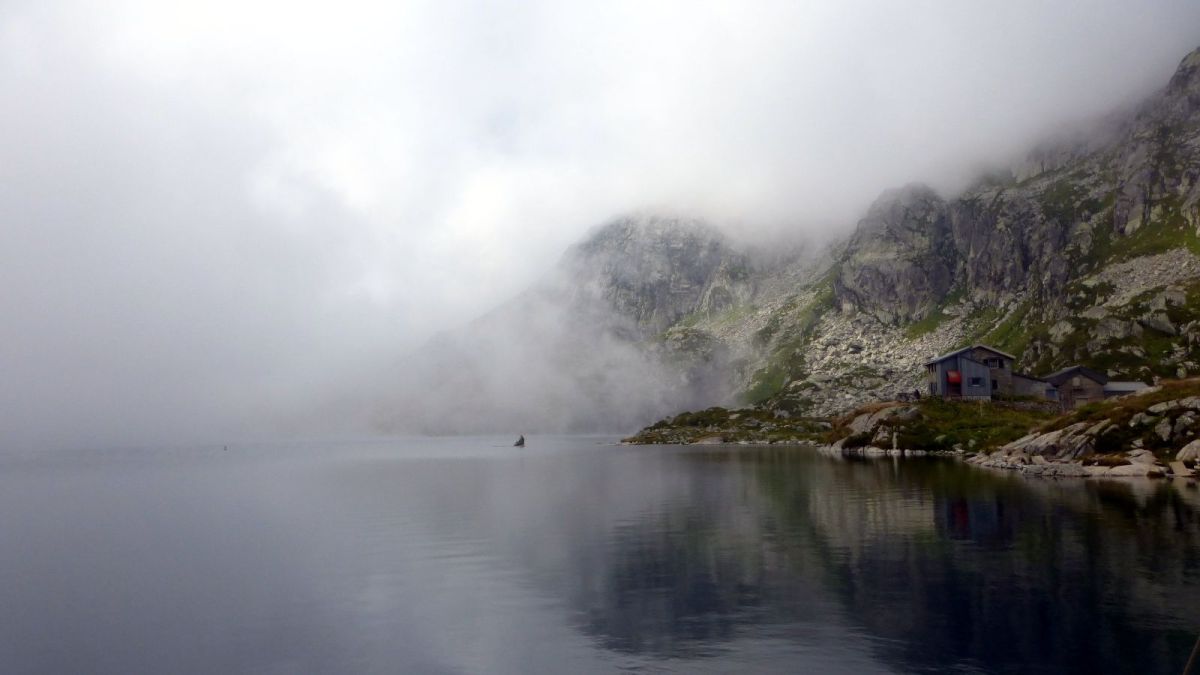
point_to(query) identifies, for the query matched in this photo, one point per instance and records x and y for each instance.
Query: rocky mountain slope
(1086, 253)
(600, 344)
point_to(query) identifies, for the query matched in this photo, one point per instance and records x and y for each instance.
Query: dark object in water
(520, 442)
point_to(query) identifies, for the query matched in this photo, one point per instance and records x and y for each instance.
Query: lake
(463, 555)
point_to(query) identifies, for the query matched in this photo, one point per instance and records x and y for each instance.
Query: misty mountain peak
(912, 204)
(633, 233)
(1186, 74)
(655, 269)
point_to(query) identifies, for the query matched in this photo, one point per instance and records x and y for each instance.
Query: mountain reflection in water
(453, 555)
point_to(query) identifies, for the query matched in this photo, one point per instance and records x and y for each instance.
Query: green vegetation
(1121, 410)
(1124, 430)
(768, 381)
(786, 333)
(936, 316)
(1167, 229)
(735, 314)
(1081, 296)
(1141, 349)
(1067, 201)
(1013, 334)
(753, 425)
(934, 424)
(937, 425)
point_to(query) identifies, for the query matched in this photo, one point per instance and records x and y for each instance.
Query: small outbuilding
(1078, 386)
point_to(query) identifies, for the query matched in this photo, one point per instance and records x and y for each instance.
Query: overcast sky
(210, 210)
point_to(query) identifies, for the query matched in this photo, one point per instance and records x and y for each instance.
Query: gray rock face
(656, 270)
(1071, 442)
(1136, 469)
(902, 260)
(1163, 429)
(1004, 239)
(870, 422)
(1189, 451)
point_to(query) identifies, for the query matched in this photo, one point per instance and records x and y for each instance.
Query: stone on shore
(1190, 451)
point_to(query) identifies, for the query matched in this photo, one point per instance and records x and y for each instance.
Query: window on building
(976, 382)
(995, 385)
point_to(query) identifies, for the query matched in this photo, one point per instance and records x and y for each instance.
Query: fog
(214, 215)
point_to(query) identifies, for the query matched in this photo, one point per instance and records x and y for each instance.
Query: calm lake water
(464, 556)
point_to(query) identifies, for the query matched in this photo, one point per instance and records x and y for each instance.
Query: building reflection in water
(940, 564)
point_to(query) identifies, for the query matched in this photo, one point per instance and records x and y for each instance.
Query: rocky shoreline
(1154, 433)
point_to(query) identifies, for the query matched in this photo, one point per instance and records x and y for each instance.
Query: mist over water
(215, 215)
(466, 555)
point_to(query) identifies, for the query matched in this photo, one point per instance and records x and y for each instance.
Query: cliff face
(1086, 253)
(598, 345)
(656, 270)
(901, 260)
(1009, 238)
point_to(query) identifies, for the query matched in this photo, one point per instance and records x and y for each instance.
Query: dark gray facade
(972, 373)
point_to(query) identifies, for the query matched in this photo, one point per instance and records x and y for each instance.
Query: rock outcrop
(1138, 435)
(658, 270)
(1086, 253)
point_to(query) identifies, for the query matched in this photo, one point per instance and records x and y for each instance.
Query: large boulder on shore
(1071, 442)
(1134, 470)
(1189, 451)
(868, 422)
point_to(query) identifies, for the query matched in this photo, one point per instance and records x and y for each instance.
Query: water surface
(571, 555)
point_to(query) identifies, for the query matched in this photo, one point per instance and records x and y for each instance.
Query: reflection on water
(460, 556)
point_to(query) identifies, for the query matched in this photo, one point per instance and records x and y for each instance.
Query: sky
(211, 211)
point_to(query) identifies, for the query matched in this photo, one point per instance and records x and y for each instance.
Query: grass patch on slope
(936, 317)
(787, 332)
(751, 425)
(1167, 230)
(939, 425)
(1014, 332)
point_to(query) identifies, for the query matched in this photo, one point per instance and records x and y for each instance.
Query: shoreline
(1027, 465)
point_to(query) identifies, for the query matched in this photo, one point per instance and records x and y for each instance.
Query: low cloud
(213, 211)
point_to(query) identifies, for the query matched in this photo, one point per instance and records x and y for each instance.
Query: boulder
(1070, 442)
(1065, 470)
(1134, 470)
(1115, 329)
(1142, 457)
(1163, 429)
(1160, 408)
(1189, 451)
(1142, 418)
(1183, 423)
(1170, 296)
(1159, 322)
(1064, 328)
(867, 422)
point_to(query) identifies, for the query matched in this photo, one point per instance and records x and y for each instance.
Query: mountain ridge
(1084, 253)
